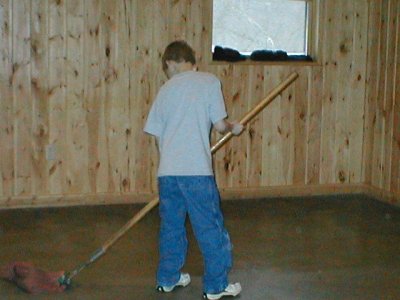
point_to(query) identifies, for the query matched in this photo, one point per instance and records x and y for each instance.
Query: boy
(186, 107)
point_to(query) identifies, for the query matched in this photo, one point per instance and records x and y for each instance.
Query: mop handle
(251, 114)
(136, 218)
(258, 108)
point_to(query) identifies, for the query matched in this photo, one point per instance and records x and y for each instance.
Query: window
(262, 27)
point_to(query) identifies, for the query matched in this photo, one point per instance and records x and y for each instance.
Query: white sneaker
(233, 289)
(183, 281)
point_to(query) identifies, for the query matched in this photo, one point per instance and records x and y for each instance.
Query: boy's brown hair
(178, 51)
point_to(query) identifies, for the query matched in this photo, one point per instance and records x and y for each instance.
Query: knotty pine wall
(81, 76)
(382, 122)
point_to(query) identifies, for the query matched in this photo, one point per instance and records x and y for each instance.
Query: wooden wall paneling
(206, 33)
(343, 55)
(178, 26)
(314, 125)
(230, 91)
(330, 79)
(192, 19)
(77, 156)
(395, 172)
(122, 91)
(142, 78)
(298, 91)
(390, 76)
(377, 150)
(112, 78)
(135, 102)
(285, 143)
(372, 65)
(286, 129)
(21, 94)
(201, 28)
(357, 85)
(229, 87)
(82, 75)
(272, 146)
(161, 39)
(160, 29)
(315, 95)
(395, 167)
(6, 102)
(223, 157)
(253, 131)
(39, 95)
(134, 146)
(108, 76)
(57, 101)
(94, 99)
(237, 145)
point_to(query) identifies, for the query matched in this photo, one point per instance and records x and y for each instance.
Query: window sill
(269, 63)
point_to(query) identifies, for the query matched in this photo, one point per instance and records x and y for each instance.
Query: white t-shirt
(181, 117)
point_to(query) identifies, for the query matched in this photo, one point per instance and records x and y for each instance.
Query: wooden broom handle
(259, 107)
(251, 114)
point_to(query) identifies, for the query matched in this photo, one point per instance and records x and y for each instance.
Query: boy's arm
(223, 126)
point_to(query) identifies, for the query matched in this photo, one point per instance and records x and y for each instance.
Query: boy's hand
(237, 128)
(223, 126)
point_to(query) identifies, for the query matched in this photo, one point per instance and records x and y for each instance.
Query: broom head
(32, 279)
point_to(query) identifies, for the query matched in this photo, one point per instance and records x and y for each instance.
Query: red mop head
(31, 279)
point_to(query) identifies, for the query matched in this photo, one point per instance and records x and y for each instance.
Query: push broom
(34, 280)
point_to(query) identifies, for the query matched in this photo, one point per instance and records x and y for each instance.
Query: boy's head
(178, 52)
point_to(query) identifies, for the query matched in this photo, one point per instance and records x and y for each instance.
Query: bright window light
(248, 25)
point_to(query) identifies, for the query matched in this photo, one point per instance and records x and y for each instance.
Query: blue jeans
(198, 197)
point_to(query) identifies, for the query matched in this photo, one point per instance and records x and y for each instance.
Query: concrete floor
(298, 248)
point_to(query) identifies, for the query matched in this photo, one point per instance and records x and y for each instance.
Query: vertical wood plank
(143, 97)
(206, 33)
(374, 12)
(122, 92)
(178, 20)
(389, 95)
(134, 102)
(6, 102)
(223, 158)
(343, 56)
(253, 130)
(56, 94)
(238, 146)
(377, 150)
(39, 95)
(300, 117)
(395, 166)
(330, 75)
(108, 55)
(286, 130)
(271, 146)
(160, 40)
(314, 126)
(77, 165)
(357, 91)
(95, 99)
(21, 93)
(196, 28)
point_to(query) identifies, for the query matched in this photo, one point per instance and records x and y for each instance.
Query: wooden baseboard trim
(383, 195)
(226, 194)
(290, 191)
(74, 200)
